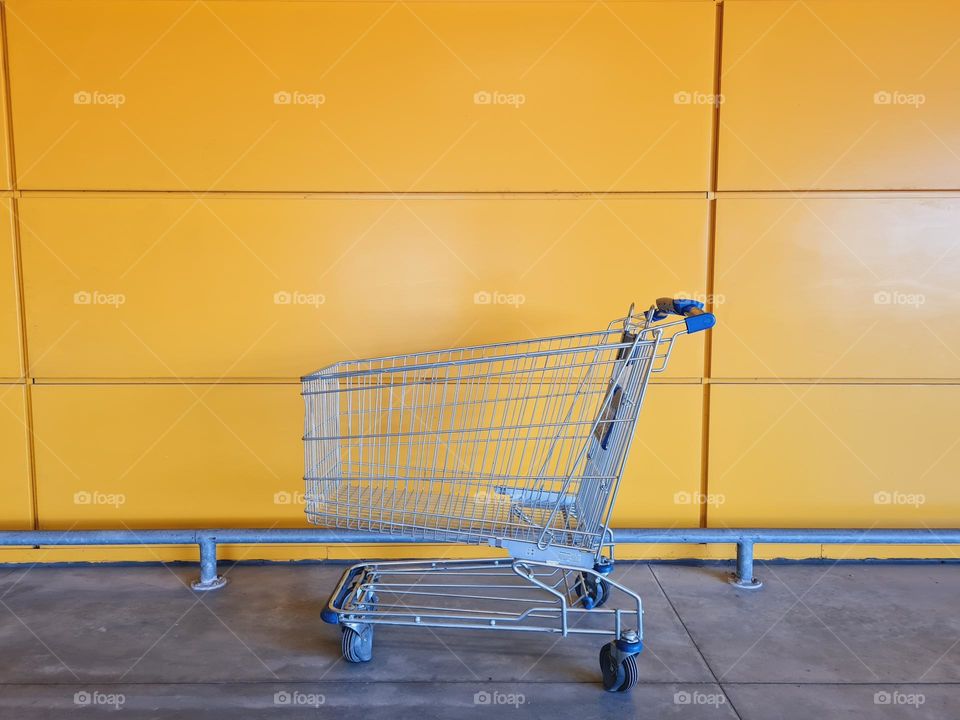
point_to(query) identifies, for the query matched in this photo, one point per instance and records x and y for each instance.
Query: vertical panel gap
(711, 255)
(11, 170)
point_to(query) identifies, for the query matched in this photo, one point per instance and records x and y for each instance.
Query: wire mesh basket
(504, 443)
(518, 445)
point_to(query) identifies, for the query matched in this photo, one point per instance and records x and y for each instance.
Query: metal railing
(744, 538)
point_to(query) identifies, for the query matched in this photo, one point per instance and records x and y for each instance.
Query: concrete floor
(818, 641)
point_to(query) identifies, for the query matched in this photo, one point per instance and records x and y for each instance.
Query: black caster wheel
(618, 675)
(592, 591)
(357, 647)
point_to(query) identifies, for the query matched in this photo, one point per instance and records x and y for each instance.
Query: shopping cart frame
(547, 585)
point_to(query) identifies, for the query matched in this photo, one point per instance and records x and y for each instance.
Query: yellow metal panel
(207, 455)
(661, 482)
(834, 456)
(16, 510)
(829, 94)
(838, 288)
(147, 287)
(362, 95)
(11, 363)
(896, 552)
(143, 456)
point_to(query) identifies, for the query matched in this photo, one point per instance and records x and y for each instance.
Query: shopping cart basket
(517, 445)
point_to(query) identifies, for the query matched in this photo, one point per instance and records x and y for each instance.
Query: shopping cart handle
(692, 310)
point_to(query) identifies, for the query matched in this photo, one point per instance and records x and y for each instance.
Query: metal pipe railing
(743, 538)
(746, 538)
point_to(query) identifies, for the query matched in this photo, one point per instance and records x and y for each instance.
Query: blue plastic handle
(691, 310)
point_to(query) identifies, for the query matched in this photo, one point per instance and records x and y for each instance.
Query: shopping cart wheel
(592, 591)
(357, 646)
(620, 672)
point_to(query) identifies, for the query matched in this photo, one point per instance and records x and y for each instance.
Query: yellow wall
(159, 196)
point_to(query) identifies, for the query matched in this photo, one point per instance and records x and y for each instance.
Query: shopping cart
(517, 445)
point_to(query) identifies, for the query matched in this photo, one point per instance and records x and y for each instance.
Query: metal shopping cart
(516, 445)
